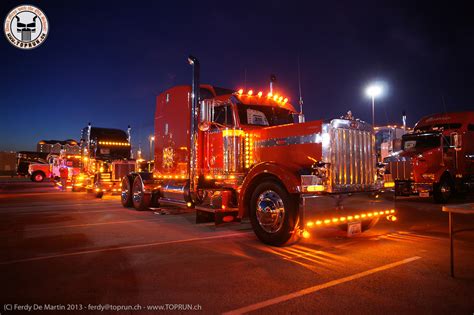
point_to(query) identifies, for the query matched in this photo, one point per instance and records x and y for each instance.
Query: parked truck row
(231, 155)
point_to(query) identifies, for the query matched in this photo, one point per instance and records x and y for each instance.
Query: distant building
(55, 146)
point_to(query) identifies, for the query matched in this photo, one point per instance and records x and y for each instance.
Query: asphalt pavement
(73, 253)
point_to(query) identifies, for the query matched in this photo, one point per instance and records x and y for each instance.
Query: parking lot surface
(63, 248)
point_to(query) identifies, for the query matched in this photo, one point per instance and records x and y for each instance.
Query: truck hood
(296, 146)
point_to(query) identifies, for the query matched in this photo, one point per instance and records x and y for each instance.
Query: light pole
(373, 91)
(152, 139)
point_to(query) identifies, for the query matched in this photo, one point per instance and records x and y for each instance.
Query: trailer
(232, 155)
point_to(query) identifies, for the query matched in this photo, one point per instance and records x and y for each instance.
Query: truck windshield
(415, 142)
(260, 115)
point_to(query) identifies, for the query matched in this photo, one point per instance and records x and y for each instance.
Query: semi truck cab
(437, 158)
(232, 155)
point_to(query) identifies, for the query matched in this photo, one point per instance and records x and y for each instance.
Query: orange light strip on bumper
(349, 218)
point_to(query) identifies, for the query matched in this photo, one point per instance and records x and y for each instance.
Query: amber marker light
(250, 92)
(269, 94)
(306, 234)
(310, 224)
(275, 97)
(240, 91)
(285, 100)
(260, 94)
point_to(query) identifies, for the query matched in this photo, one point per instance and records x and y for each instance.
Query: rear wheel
(37, 176)
(126, 194)
(273, 214)
(443, 191)
(140, 200)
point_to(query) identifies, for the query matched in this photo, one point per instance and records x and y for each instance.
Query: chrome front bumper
(320, 210)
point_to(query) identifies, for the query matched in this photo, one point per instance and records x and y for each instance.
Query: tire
(99, 194)
(126, 192)
(140, 200)
(38, 176)
(444, 190)
(279, 227)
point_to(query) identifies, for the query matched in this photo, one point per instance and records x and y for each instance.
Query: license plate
(354, 228)
(424, 194)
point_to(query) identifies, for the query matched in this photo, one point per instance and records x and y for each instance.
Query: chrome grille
(400, 170)
(349, 150)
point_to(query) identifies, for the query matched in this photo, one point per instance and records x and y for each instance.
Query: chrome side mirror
(456, 141)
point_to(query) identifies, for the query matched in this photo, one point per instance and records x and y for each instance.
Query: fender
(286, 176)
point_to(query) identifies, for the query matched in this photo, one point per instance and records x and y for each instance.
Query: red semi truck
(232, 155)
(437, 158)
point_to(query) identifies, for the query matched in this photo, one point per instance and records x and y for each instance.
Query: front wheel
(273, 214)
(37, 176)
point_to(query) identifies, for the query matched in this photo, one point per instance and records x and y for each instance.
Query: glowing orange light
(285, 100)
(342, 219)
(260, 94)
(250, 92)
(327, 221)
(392, 211)
(275, 97)
(280, 98)
(310, 223)
(349, 218)
(269, 94)
(306, 234)
(240, 91)
(387, 211)
(369, 214)
(319, 222)
(189, 204)
(356, 216)
(335, 220)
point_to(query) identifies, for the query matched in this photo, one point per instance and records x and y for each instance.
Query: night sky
(104, 62)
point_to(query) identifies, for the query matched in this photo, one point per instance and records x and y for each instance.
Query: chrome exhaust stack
(192, 169)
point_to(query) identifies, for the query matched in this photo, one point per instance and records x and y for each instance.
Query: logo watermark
(26, 27)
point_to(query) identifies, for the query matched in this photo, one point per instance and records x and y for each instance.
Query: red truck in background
(232, 155)
(437, 158)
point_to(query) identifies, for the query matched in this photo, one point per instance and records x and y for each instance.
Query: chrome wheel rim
(270, 211)
(137, 194)
(445, 190)
(125, 190)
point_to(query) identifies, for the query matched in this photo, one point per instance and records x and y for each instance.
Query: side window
(223, 115)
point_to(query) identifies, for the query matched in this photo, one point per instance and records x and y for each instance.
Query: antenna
(245, 78)
(301, 117)
(273, 79)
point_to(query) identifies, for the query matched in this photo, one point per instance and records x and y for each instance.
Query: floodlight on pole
(373, 91)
